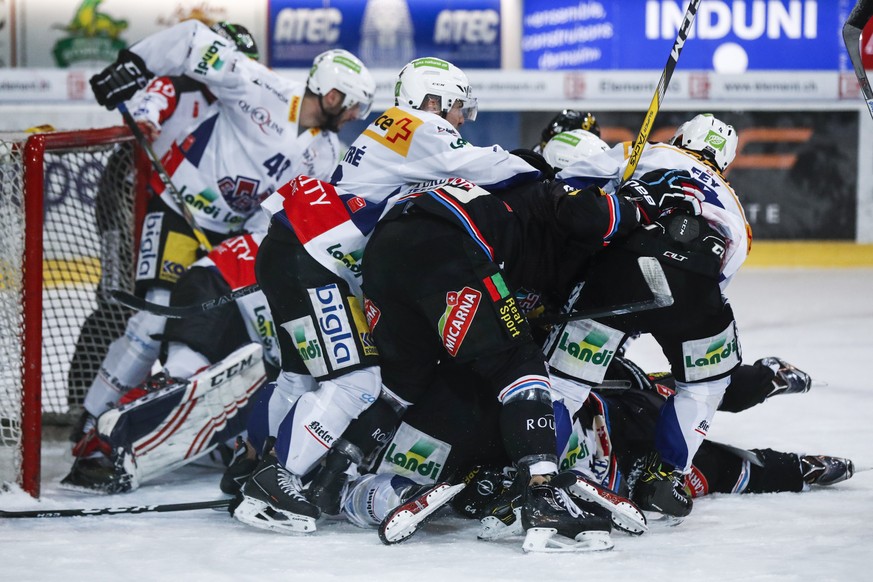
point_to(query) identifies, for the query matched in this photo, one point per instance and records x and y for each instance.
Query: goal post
(71, 204)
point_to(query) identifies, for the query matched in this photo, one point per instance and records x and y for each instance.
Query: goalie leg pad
(175, 425)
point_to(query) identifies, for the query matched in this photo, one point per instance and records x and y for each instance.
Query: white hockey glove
(661, 192)
(119, 81)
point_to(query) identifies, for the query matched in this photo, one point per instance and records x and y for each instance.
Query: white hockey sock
(685, 420)
(129, 360)
(319, 418)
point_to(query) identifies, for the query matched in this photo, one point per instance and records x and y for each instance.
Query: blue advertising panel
(385, 33)
(729, 36)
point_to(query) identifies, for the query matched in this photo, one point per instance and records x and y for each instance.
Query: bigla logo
(94, 37)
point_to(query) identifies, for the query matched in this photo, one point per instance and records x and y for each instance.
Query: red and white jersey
(174, 113)
(234, 260)
(253, 143)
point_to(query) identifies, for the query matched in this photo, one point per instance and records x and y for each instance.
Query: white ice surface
(820, 320)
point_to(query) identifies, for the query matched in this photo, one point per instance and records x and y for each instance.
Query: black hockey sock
(373, 427)
(528, 428)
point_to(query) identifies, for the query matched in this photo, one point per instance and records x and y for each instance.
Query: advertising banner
(385, 33)
(727, 36)
(89, 33)
(795, 171)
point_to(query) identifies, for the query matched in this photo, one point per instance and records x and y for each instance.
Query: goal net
(70, 207)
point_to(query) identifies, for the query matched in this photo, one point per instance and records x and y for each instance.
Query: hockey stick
(855, 23)
(655, 105)
(216, 504)
(654, 277)
(202, 240)
(179, 312)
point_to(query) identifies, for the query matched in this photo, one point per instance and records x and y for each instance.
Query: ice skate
(661, 490)
(272, 500)
(403, 521)
(239, 469)
(823, 470)
(788, 379)
(327, 487)
(624, 513)
(554, 522)
(503, 518)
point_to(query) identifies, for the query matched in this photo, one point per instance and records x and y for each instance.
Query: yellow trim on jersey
(294, 111)
(394, 130)
(809, 253)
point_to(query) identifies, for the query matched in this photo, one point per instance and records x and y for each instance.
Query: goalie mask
(713, 139)
(432, 77)
(570, 146)
(238, 35)
(341, 70)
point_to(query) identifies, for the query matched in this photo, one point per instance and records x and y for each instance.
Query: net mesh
(88, 248)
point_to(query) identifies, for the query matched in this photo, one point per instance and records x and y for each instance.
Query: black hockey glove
(119, 81)
(537, 161)
(662, 192)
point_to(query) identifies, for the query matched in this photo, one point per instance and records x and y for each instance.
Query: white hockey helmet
(341, 70)
(570, 146)
(439, 78)
(710, 137)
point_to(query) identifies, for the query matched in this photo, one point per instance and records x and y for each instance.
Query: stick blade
(654, 276)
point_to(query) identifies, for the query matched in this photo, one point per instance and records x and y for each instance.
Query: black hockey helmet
(239, 35)
(567, 120)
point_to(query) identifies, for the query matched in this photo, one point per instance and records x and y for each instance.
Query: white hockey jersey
(720, 206)
(251, 145)
(403, 150)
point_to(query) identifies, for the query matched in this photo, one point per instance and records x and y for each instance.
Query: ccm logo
(674, 256)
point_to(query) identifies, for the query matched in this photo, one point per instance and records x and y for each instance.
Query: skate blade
(661, 520)
(625, 515)
(260, 515)
(406, 519)
(493, 529)
(547, 540)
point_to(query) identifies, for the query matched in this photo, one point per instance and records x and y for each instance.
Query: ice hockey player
(464, 252)
(697, 333)
(567, 120)
(166, 110)
(310, 272)
(267, 130)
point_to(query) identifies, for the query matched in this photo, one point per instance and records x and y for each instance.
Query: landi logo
(94, 37)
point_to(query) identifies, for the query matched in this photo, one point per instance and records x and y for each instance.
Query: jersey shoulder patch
(394, 130)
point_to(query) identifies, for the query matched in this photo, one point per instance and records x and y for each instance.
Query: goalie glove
(662, 192)
(121, 80)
